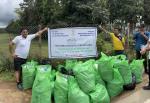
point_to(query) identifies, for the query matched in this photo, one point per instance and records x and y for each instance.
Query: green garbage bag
(41, 92)
(98, 76)
(75, 95)
(105, 67)
(125, 71)
(61, 88)
(70, 63)
(115, 87)
(100, 95)
(28, 74)
(137, 68)
(85, 75)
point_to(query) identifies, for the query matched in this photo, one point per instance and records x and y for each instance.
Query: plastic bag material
(137, 69)
(70, 63)
(115, 87)
(61, 88)
(105, 67)
(125, 71)
(53, 75)
(132, 85)
(98, 76)
(85, 75)
(75, 95)
(28, 71)
(41, 92)
(100, 95)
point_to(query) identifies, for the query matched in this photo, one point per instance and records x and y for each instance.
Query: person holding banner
(20, 54)
(117, 39)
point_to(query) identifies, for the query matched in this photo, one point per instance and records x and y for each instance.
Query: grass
(7, 76)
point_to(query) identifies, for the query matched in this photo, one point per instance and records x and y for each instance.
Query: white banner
(76, 42)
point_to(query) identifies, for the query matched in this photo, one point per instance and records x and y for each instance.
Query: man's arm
(146, 48)
(143, 34)
(104, 29)
(11, 49)
(39, 33)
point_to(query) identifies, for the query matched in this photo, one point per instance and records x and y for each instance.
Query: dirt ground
(124, 96)
(10, 94)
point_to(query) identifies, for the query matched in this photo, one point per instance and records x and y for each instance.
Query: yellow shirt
(117, 43)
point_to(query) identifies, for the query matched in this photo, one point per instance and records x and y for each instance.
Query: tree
(63, 11)
(125, 9)
(146, 11)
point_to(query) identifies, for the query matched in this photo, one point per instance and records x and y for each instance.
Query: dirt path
(10, 94)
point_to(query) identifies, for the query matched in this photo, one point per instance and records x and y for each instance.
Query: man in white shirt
(143, 51)
(20, 54)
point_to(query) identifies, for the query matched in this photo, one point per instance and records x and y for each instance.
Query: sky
(7, 11)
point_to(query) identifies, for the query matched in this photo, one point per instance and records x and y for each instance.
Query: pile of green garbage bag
(92, 81)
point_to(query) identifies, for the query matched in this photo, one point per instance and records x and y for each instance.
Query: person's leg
(149, 72)
(145, 62)
(16, 67)
(23, 61)
(18, 70)
(148, 86)
(17, 76)
(138, 55)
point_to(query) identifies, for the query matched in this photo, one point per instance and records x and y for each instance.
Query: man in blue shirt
(141, 39)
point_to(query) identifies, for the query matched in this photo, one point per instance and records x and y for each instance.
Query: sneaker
(19, 86)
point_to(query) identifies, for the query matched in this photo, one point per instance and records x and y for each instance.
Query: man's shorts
(18, 62)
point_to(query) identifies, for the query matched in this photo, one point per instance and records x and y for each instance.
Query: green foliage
(146, 11)
(14, 26)
(104, 44)
(125, 9)
(6, 63)
(60, 13)
(63, 12)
